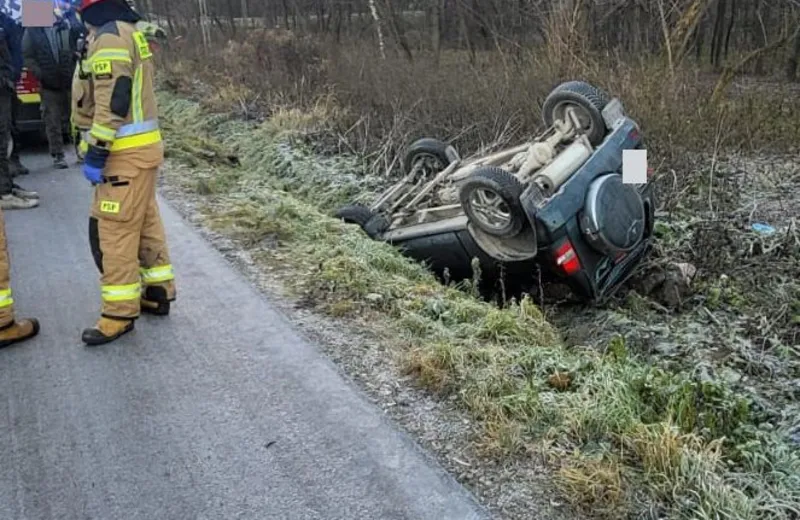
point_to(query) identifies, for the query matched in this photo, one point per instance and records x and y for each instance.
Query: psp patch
(142, 45)
(109, 206)
(102, 69)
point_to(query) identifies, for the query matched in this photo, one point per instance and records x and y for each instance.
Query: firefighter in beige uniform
(124, 154)
(11, 330)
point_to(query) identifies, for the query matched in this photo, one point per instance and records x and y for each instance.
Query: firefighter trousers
(6, 302)
(128, 242)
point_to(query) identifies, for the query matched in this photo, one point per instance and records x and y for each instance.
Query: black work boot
(17, 331)
(106, 330)
(155, 301)
(59, 161)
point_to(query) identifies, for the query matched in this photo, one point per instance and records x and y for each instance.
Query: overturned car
(555, 205)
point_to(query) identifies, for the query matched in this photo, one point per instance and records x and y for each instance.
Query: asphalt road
(220, 411)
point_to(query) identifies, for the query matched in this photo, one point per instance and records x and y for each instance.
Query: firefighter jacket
(122, 97)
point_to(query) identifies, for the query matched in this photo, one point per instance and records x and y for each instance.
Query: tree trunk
(699, 42)
(436, 29)
(717, 38)
(794, 59)
(730, 28)
(339, 22)
(376, 17)
(465, 31)
(399, 34)
(758, 68)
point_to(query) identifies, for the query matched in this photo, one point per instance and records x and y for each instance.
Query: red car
(29, 116)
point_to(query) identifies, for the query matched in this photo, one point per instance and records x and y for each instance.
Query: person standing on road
(12, 196)
(49, 53)
(125, 152)
(14, 31)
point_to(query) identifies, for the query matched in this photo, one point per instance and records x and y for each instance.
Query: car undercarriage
(550, 202)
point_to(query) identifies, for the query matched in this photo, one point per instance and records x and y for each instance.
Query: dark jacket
(6, 77)
(49, 54)
(12, 35)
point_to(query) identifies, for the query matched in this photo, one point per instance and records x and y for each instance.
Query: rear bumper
(29, 117)
(600, 276)
(29, 114)
(601, 280)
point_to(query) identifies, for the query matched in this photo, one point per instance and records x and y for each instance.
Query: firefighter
(11, 330)
(124, 154)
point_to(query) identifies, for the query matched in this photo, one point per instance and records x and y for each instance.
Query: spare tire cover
(614, 220)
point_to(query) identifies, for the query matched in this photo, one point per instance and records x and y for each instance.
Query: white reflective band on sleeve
(137, 128)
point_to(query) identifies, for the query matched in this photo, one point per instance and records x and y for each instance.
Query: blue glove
(93, 165)
(93, 175)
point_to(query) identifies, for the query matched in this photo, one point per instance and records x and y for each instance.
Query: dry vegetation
(657, 407)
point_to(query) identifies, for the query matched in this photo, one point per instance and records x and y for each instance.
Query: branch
(731, 70)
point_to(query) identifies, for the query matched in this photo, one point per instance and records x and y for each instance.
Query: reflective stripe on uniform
(5, 299)
(136, 141)
(112, 55)
(103, 133)
(121, 293)
(137, 128)
(158, 274)
(138, 109)
(142, 45)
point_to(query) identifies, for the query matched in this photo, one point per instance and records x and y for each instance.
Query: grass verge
(625, 436)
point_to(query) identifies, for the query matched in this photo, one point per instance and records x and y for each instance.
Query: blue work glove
(94, 163)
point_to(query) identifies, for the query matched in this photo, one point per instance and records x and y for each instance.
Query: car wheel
(430, 155)
(588, 102)
(371, 223)
(490, 199)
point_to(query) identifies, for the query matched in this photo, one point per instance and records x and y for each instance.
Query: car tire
(371, 223)
(492, 188)
(589, 99)
(440, 153)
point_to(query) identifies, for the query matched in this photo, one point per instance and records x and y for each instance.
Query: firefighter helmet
(88, 3)
(83, 4)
